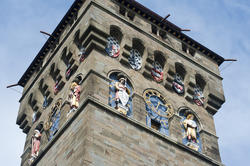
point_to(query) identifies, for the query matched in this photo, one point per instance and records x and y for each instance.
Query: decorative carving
(121, 94)
(45, 102)
(178, 84)
(68, 72)
(112, 47)
(158, 110)
(198, 96)
(35, 145)
(135, 59)
(74, 96)
(82, 54)
(56, 87)
(157, 72)
(190, 127)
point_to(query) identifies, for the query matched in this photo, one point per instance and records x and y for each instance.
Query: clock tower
(117, 84)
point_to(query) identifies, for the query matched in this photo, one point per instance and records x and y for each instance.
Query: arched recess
(191, 127)
(116, 32)
(158, 66)
(158, 110)
(180, 70)
(178, 83)
(136, 53)
(114, 41)
(199, 89)
(120, 93)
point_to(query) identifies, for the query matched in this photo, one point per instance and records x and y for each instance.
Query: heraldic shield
(112, 47)
(120, 94)
(135, 59)
(178, 84)
(157, 72)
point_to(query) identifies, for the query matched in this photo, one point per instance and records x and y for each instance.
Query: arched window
(198, 90)
(158, 111)
(190, 129)
(178, 84)
(158, 66)
(135, 58)
(120, 93)
(113, 41)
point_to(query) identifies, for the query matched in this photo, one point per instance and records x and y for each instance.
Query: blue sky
(221, 25)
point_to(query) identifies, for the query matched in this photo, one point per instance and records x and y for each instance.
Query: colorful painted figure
(68, 71)
(178, 85)
(190, 127)
(45, 102)
(56, 87)
(198, 96)
(157, 72)
(35, 145)
(112, 47)
(82, 54)
(122, 96)
(74, 96)
(191, 133)
(135, 59)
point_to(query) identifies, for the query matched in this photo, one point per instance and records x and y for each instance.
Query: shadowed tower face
(116, 84)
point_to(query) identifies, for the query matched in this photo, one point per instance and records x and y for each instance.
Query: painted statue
(190, 127)
(122, 96)
(35, 145)
(157, 72)
(82, 54)
(178, 84)
(74, 96)
(198, 96)
(112, 47)
(135, 60)
(34, 117)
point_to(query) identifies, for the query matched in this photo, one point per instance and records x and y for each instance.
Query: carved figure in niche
(178, 84)
(190, 127)
(158, 111)
(112, 47)
(35, 145)
(56, 87)
(190, 130)
(52, 124)
(157, 72)
(74, 96)
(82, 54)
(198, 96)
(120, 94)
(135, 59)
(45, 102)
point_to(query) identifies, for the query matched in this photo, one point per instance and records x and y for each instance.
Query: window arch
(158, 66)
(198, 90)
(180, 70)
(190, 128)
(116, 33)
(120, 93)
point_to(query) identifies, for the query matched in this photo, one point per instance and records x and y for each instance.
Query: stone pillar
(210, 145)
(139, 108)
(175, 128)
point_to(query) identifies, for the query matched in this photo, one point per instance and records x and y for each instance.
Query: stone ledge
(108, 109)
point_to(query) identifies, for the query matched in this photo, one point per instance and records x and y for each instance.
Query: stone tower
(117, 84)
